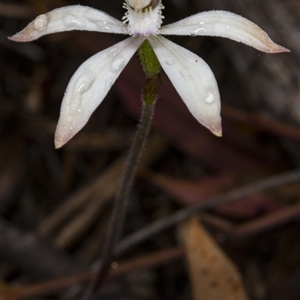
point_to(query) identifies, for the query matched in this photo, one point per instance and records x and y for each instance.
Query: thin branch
(254, 226)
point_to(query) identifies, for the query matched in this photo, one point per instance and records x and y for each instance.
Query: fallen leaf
(196, 191)
(212, 273)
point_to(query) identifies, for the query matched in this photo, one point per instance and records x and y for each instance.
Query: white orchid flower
(190, 75)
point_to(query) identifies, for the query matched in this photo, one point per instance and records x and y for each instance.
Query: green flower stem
(116, 223)
(149, 60)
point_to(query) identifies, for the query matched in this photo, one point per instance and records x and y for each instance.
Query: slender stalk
(120, 205)
(119, 210)
(152, 69)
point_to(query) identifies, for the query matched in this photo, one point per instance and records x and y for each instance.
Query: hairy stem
(120, 205)
(151, 68)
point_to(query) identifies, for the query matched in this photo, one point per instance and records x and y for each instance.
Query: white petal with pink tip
(193, 80)
(224, 24)
(89, 85)
(73, 17)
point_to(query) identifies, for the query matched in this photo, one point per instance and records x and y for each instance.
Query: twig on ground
(145, 261)
(179, 216)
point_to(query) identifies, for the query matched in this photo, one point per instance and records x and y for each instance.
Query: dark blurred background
(55, 203)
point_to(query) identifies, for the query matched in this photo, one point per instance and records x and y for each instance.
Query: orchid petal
(89, 85)
(193, 80)
(73, 17)
(224, 24)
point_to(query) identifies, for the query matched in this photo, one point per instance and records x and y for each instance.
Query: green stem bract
(149, 60)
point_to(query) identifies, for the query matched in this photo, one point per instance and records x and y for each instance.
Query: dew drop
(83, 88)
(73, 23)
(185, 75)
(41, 22)
(117, 64)
(84, 84)
(102, 25)
(108, 83)
(209, 98)
(169, 61)
(227, 27)
(197, 31)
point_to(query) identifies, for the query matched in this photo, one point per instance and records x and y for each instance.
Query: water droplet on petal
(108, 83)
(117, 64)
(209, 98)
(73, 23)
(41, 22)
(102, 25)
(169, 61)
(197, 31)
(227, 27)
(83, 88)
(84, 83)
(185, 75)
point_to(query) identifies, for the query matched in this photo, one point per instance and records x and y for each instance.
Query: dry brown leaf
(213, 275)
(194, 191)
(200, 190)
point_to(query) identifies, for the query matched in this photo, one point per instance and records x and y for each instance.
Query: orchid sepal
(73, 17)
(227, 25)
(193, 80)
(89, 85)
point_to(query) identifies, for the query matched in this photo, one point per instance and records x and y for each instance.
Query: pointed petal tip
(62, 135)
(28, 34)
(21, 38)
(218, 133)
(58, 143)
(16, 38)
(275, 48)
(216, 128)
